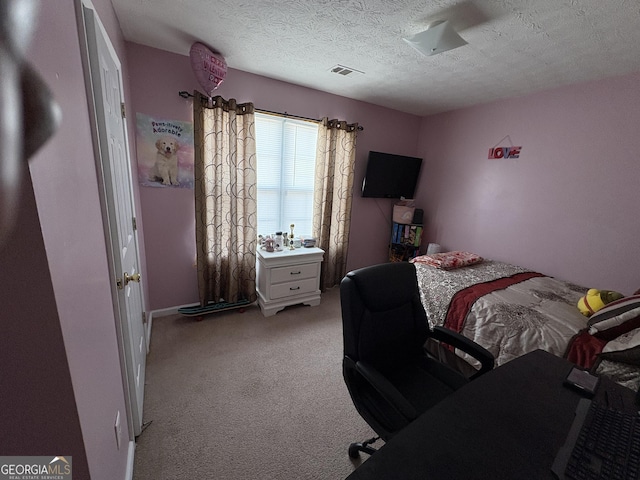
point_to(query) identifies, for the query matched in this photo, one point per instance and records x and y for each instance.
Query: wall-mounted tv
(390, 176)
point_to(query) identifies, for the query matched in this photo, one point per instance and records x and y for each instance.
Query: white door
(106, 80)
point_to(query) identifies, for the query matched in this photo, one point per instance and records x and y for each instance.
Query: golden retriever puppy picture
(165, 169)
(164, 152)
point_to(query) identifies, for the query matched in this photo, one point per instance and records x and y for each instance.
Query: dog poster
(165, 152)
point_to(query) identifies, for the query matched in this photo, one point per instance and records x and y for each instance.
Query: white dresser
(287, 278)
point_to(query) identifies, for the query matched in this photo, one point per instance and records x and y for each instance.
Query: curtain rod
(185, 94)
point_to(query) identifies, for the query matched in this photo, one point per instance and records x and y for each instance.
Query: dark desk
(507, 424)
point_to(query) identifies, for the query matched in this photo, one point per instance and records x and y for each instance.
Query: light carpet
(239, 396)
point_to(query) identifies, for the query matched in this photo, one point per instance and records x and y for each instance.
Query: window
(286, 157)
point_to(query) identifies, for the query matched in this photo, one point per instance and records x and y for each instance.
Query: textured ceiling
(514, 46)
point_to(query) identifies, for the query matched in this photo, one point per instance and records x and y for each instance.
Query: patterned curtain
(225, 198)
(335, 167)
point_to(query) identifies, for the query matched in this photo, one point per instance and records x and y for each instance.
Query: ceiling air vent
(344, 71)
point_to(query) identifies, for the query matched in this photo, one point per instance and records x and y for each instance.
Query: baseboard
(130, 460)
(164, 312)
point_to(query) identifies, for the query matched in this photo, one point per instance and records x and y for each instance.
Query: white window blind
(286, 156)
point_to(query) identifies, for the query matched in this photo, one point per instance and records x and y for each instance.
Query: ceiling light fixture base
(439, 37)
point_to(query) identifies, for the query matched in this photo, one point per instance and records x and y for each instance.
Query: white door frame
(84, 9)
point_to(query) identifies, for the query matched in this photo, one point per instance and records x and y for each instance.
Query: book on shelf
(406, 234)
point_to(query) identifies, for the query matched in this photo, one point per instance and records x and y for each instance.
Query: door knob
(131, 278)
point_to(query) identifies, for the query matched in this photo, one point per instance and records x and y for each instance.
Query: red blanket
(463, 300)
(584, 348)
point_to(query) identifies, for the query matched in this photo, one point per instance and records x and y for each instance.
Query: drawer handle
(291, 288)
(295, 273)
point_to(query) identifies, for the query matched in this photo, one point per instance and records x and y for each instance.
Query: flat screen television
(390, 176)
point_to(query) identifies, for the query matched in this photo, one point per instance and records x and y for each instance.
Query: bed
(511, 310)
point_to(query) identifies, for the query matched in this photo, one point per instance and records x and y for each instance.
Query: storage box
(403, 213)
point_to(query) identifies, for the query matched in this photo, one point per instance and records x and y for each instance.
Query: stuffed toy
(594, 300)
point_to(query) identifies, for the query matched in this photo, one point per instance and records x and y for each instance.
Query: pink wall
(567, 207)
(38, 414)
(168, 214)
(68, 201)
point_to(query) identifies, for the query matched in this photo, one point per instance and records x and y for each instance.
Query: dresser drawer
(294, 272)
(290, 289)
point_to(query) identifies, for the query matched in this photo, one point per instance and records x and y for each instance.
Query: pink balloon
(208, 67)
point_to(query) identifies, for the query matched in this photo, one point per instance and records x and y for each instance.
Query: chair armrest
(386, 389)
(484, 356)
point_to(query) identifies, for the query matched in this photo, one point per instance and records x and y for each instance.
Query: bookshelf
(405, 241)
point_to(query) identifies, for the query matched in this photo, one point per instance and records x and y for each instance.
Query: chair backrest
(383, 319)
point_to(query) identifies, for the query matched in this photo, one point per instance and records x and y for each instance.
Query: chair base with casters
(357, 447)
(390, 375)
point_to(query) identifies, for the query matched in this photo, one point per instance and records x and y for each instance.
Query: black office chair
(390, 375)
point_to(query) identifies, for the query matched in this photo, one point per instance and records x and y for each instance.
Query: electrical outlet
(118, 429)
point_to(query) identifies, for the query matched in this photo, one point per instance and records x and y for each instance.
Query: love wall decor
(504, 152)
(496, 152)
